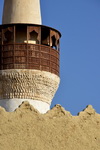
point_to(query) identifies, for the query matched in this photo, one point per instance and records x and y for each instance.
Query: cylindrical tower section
(29, 65)
(21, 11)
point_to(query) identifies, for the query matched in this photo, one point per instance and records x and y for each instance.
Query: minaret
(21, 11)
(29, 57)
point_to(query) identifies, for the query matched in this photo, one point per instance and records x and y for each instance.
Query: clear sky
(79, 23)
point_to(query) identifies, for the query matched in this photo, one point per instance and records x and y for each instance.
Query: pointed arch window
(54, 40)
(8, 35)
(34, 37)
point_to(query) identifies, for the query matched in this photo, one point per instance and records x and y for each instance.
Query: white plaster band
(11, 104)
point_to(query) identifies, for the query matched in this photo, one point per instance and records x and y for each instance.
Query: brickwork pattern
(28, 84)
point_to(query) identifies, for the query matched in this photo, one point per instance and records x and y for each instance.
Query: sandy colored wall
(26, 129)
(21, 11)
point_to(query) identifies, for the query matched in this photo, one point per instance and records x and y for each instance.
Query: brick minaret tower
(29, 57)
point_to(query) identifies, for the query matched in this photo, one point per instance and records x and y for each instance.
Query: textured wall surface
(28, 84)
(26, 129)
(21, 11)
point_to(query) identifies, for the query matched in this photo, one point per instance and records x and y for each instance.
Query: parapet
(29, 46)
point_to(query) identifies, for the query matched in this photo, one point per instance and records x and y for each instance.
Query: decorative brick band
(28, 84)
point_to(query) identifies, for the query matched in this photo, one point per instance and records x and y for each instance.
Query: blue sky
(79, 23)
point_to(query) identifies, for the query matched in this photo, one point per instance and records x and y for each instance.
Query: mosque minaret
(29, 57)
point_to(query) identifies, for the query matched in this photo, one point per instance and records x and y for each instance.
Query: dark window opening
(58, 45)
(0, 38)
(21, 34)
(33, 38)
(45, 36)
(54, 41)
(8, 37)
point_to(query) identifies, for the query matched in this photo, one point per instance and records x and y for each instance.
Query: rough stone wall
(28, 84)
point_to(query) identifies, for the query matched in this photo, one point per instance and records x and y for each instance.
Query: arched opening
(33, 37)
(54, 41)
(21, 34)
(45, 36)
(8, 37)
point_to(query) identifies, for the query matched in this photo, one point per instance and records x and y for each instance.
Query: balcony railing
(29, 56)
